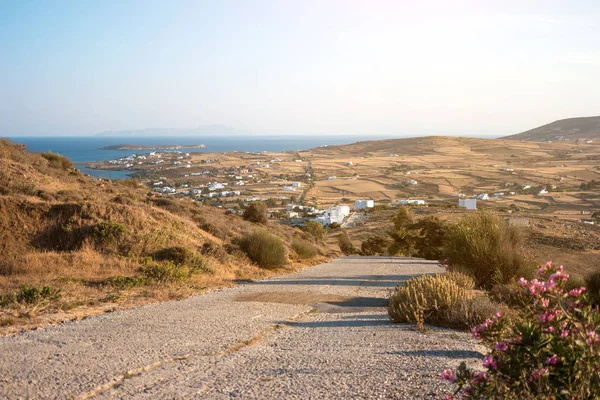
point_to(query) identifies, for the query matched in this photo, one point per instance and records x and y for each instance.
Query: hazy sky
(357, 67)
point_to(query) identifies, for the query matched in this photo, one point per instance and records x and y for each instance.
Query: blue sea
(83, 149)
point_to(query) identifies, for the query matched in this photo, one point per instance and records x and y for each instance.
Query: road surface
(321, 333)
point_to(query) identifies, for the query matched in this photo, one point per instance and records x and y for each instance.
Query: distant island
(157, 147)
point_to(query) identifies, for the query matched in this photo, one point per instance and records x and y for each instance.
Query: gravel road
(321, 333)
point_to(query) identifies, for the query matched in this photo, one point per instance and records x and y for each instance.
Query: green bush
(31, 295)
(550, 351)
(256, 212)
(488, 249)
(125, 282)
(57, 161)
(166, 272)
(592, 284)
(425, 299)
(182, 257)
(108, 232)
(264, 248)
(375, 245)
(345, 244)
(315, 229)
(422, 238)
(304, 249)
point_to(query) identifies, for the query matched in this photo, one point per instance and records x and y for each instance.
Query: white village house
(413, 202)
(361, 204)
(469, 204)
(334, 214)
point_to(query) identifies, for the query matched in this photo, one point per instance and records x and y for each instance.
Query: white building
(469, 204)
(289, 188)
(543, 191)
(482, 196)
(216, 186)
(412, 202)
(361, 204)
(348, 164)
(331, 178)
(297, 184)
(334, 214)
(411, 182)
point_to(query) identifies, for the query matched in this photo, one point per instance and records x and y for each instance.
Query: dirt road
(319, 333)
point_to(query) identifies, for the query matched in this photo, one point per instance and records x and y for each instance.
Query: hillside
(571, 129)
(72, 245)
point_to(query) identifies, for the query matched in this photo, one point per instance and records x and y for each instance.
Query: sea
(88, 149)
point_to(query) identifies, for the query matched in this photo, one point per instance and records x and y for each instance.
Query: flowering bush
(551, 350)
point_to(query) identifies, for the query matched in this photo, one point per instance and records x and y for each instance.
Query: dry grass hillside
(570, 129)
(72, 245)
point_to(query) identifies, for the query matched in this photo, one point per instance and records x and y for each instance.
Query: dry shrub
(345, 244)
(592, 284)
(315, 229)
(304, 249)
(470, 312)
(264, 248)
(57, 161)
(256, 212)
(425, 299)
(488, 249)
(461, 279)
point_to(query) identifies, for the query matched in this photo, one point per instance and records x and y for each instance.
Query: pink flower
(576, 292)
(523, 282)
(592, 337)
(553, 360)
(501, 346)
(448, 375)
(478, 378)
(536, 374)
(489, 362)
(499, 314)
(545, 303)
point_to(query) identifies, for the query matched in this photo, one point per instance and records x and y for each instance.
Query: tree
(315, 229)
(256, 212)
(345, 244)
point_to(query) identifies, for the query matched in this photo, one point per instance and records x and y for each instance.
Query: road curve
(321, 333)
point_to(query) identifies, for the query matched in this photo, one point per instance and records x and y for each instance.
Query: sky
(307, 67)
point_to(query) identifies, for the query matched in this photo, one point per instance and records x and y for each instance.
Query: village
(327, 184)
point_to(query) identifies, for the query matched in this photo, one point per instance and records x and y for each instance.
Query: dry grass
(94, 243)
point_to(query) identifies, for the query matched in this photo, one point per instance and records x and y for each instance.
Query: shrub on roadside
(592, 284)
(304, 249)
(166, 272)
(264, 248)
(345, 244)
(550, 352)
(375, 245)
(422, 238)
(488, 249)
(461, 279)
(31, 296)
(425, 299)
(470, 312)
(256, 212)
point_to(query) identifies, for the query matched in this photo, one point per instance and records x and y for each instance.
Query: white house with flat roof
(361, 204)
(469, 204)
